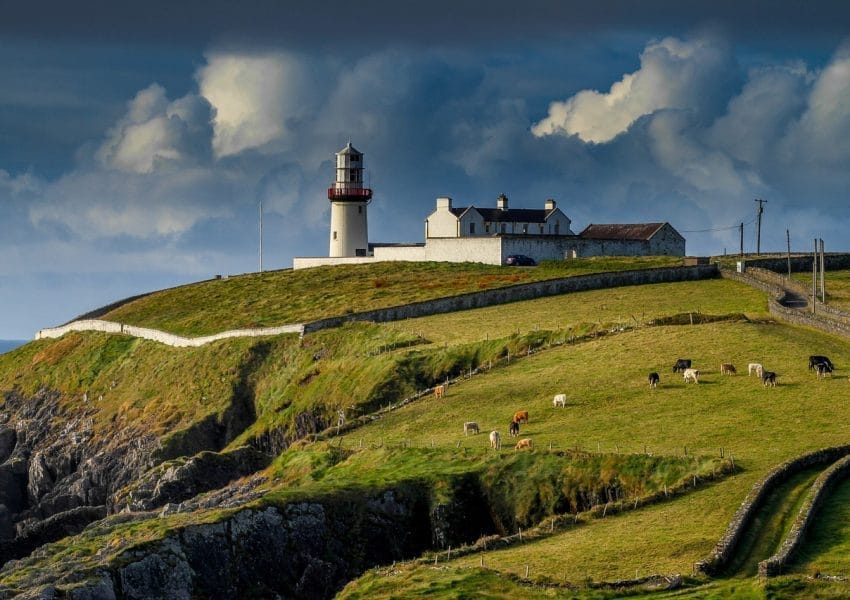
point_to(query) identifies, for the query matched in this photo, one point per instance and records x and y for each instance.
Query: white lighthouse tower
(349, 233)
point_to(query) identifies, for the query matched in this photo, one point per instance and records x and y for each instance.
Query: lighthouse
(349, 199)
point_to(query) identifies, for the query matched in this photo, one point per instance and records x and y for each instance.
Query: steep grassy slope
(610, 408)
(281, 297)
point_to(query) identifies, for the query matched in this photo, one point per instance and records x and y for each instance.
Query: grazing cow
(823, 370)
(727, 369)
(691, 375)
(440, 391)
(470, 426)
(755, 368)
(768, 378)
(521, 416)
(495, 440)
(653, 380)
(524, 443)
(682, 364)
(513, 428)
(816, 359)
(559, 400)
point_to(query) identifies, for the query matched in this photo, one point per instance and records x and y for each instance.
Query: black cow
(653, 379)
(513, 428)
(823, 369)
(817, 359)
(682, 364)
(768, 378)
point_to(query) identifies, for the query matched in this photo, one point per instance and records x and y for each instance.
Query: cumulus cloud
(254, 95)
(155, 131)
(673, 73)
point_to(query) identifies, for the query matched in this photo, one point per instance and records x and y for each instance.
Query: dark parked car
(520, 260)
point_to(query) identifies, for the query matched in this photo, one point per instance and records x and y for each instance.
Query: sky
(139, 140)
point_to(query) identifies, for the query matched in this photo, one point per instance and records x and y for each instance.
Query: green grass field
(611, 409)
(282, 297)
(611, 414)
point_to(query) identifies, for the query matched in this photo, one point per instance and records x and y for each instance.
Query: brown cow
(525, 443)
(727, 369)
(521, 416)
(439, 391)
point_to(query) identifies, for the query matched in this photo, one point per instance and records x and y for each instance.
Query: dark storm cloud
(369, 22)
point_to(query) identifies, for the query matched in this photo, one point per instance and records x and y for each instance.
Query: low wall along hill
(515, 293)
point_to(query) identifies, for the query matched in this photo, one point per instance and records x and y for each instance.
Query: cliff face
(305, 549)
(54, 476)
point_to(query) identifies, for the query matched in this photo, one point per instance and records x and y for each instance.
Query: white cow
(495, 440)
(755, 368)
(691, 375)
(559, 400)
(470, 426)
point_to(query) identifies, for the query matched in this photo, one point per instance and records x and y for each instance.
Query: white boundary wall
(161, 336)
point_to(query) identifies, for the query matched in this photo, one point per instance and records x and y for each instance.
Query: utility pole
(758, 235)
(815, 276)
(788, 240)
(742, 240)
(822, 274)
(261, 235)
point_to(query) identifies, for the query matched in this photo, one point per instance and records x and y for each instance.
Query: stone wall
(162, 336)
(526, 291)
(821, 321)
(800, 263)
(516, 293)
(725, 548)
(820, 489)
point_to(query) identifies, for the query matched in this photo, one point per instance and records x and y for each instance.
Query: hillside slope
(203, 470)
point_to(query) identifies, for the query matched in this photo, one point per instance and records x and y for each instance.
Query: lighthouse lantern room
(349, 199)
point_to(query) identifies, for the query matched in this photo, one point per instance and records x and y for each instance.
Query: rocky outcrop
(179, 480)
(306, 549)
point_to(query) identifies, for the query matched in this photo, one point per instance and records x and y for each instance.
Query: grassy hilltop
(607, 493)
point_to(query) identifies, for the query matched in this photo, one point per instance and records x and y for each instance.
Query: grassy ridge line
(272, 298)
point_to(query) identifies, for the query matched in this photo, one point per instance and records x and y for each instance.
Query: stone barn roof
(635, 231)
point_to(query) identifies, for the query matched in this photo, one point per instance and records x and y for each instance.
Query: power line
(736, 226)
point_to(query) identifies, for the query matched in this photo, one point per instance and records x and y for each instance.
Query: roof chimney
(550, 204)
(502, 202)
(444, 202)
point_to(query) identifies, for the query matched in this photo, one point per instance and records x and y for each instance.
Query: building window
(334, 234)
(557, 227)
(541, 230)
(472, 229)
(503, 228)
(486, 227)
(360, 210)
(525, 227)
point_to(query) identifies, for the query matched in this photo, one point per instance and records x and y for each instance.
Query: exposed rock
(181, 480)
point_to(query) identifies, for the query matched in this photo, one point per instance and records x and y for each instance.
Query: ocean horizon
(7, 345)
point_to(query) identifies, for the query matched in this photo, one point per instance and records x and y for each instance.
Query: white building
(477, 234)
(470, 221)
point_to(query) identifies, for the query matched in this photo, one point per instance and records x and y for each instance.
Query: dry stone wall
(725, 548)
(527, 291)
(820, 489)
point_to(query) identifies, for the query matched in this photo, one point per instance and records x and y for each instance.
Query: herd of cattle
(818, 363)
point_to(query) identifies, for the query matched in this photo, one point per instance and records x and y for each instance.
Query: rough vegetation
(130, 469)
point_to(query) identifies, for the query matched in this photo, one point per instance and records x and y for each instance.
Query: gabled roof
(511, 215)
(633, 231)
